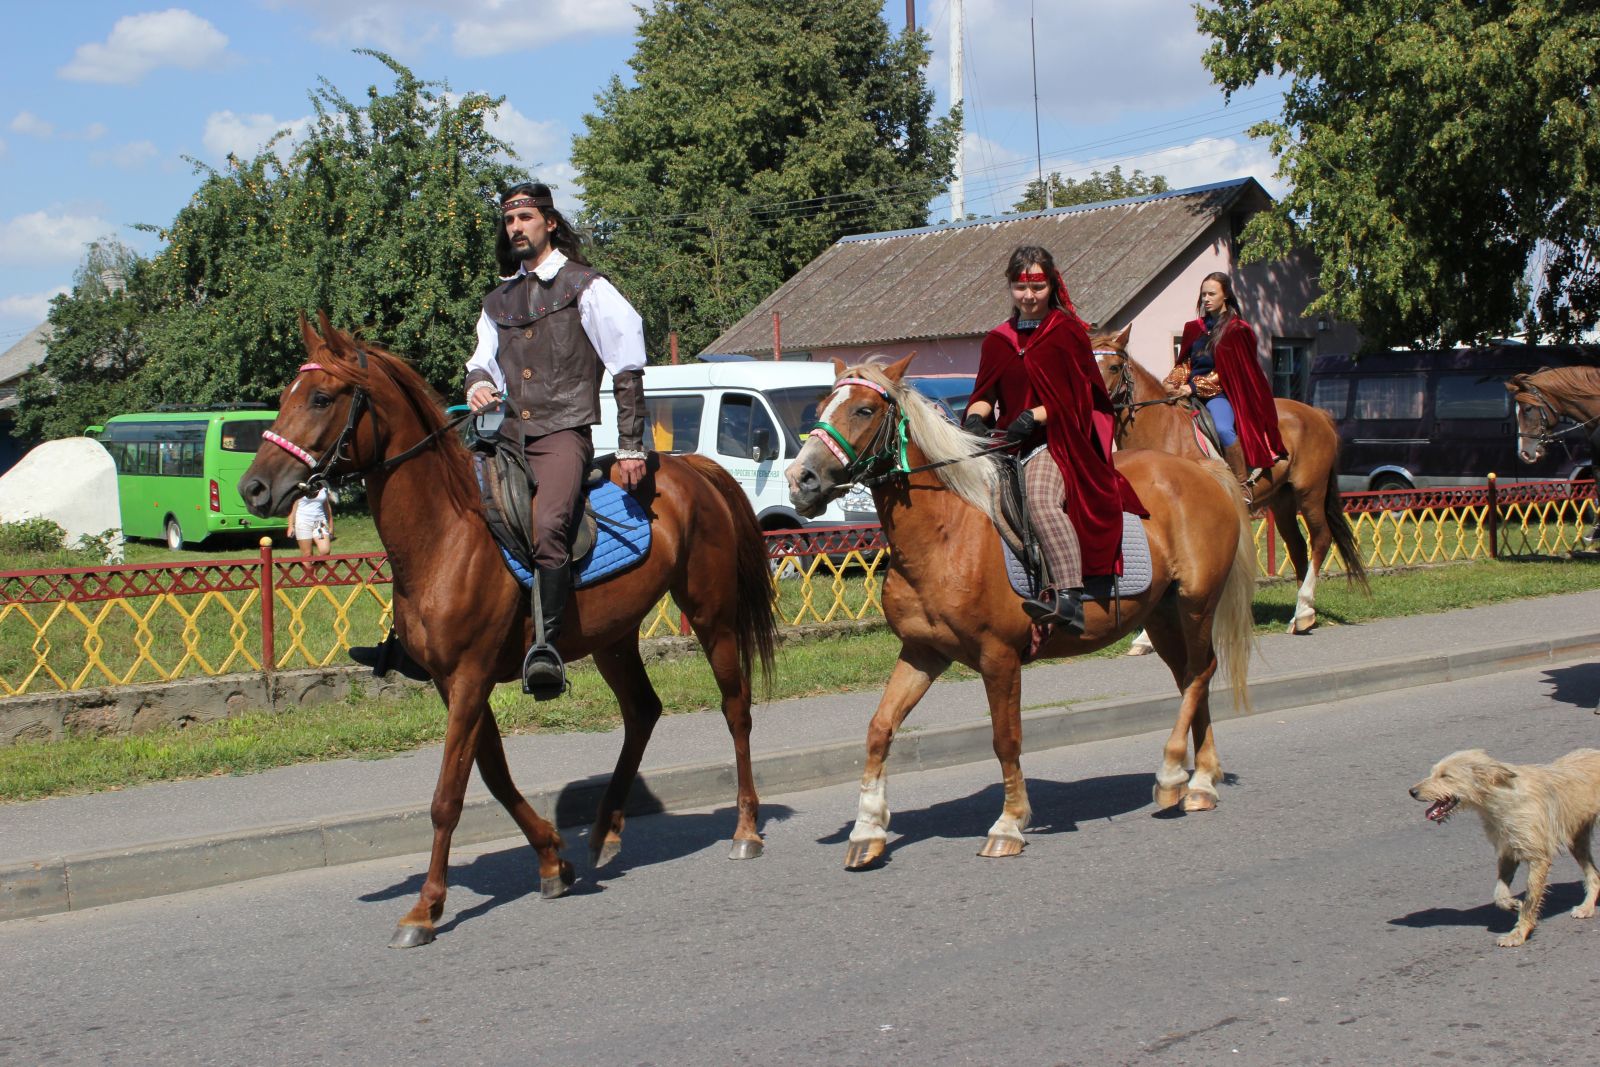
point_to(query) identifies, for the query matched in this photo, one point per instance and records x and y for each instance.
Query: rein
(321, 473)
(888, 443)
(1125, 385)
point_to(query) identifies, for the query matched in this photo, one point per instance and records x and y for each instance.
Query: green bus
(178, 471)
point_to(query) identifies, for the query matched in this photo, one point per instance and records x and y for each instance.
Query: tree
(1433, 147)
(95, 346)
(383, 215)
(1094, 189)
(754, 136)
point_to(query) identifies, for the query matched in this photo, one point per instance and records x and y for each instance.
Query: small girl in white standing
(311, 522)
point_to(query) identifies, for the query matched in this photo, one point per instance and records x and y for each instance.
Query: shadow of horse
(504, 876)
(1578, 685)
(1558, 899)
(1058, 808)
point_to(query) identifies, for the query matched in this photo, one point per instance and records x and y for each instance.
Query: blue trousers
(1222, 415)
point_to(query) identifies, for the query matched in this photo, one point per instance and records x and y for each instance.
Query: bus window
(243, 435)
(1331, 395)
(1469, 396)
(1389, 397)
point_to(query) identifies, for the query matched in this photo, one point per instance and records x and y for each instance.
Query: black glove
(1022, 428)
(975, 424)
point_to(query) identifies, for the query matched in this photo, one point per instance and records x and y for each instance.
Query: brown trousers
(558, 462)
(1058, 541)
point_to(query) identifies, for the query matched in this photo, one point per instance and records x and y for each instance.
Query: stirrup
(1064, 610)
(544, 676)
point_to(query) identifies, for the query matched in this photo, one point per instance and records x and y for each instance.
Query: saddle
(1205, 429)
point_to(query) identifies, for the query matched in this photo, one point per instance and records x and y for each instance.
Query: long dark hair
(1230, 304)
(565, 239)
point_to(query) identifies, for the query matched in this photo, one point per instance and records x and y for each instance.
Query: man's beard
(524, 251)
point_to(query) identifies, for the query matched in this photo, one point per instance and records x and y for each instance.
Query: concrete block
(110, 877)
(37, 888)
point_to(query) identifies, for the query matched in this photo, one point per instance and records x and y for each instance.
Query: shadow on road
(1578, 685)
(1058, 807)
(1557, 900)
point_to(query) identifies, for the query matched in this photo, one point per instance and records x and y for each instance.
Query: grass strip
(369, 727)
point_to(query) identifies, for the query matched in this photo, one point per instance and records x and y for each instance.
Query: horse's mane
(1563, 383)
(976, 482)
(384, 368)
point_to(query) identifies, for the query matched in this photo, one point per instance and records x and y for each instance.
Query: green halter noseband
(888, 444)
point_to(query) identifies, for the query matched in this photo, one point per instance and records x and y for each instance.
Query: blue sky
(103, 100)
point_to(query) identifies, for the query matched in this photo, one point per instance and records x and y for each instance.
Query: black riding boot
(388, 656)
(1064, 609)
(544, 676)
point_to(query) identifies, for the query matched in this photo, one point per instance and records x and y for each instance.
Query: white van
(751, 416)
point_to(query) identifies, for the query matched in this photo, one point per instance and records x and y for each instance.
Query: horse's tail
(1344, 535)
(756, 621)
(1233, 631)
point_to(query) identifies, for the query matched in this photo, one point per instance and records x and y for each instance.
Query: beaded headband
(527, 201)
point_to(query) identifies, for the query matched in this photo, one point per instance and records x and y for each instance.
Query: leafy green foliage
(382, 215)
(1434, 146)
(1097, 187)
(754, 136)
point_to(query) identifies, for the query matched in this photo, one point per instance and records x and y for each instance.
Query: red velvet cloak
(1255, 415)
(1059, 374)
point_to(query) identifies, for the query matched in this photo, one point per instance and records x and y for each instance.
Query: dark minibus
(1421, 419)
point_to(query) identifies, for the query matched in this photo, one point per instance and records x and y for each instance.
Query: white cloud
(244, 135)
(507, 27)
(139, 44)
(94, 131)
(40, 237)
(32, 307)
(129, 156)
(1211, 159)
(475, 27)
(28, 123)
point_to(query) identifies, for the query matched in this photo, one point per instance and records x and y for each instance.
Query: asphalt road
(1314, 918)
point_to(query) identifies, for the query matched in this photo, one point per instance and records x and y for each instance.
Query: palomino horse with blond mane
(1307, 485)
(462, 615)
(948, 599)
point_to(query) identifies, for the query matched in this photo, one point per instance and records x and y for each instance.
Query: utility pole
(911, 16)
(958, 185)
(1049, 200)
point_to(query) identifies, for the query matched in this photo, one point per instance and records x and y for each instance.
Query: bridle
(1549, 417)
(343, 447)
(888, 444)
(1126, 406)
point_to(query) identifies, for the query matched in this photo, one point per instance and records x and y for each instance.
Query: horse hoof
(551, 888)
(1199, 802)
(863, 854)
(1000, 847)
(1169, 796)
(745, 850)
(610, 848)
(411, 937)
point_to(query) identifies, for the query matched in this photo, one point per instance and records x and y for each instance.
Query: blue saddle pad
(1136, 567)
(622, 537)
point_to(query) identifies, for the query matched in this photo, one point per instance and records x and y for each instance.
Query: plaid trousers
(1058, 541)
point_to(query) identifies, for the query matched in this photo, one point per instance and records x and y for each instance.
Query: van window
(672, 423)
(1463, 396)
(1331, 395)
(243, 435)
(798, 407)
(739, 421)
(1389, 397)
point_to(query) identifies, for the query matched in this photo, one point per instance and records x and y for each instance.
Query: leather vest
(552, 372)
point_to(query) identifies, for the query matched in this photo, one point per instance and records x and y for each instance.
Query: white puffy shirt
(610, 322)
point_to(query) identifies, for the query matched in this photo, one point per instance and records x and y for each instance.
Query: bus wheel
(174, 534)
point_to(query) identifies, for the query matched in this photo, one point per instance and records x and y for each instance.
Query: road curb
(50, 885)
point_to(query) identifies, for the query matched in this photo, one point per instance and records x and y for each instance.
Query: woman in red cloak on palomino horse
(1037, 370)
(1217, 364)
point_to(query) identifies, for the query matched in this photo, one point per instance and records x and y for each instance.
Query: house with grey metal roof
(15, 362)
(938, 290)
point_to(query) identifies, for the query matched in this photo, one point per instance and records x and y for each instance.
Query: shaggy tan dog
(1529, 812)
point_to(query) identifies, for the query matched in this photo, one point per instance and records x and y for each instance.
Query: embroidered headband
(527, 201)
(1032, 276)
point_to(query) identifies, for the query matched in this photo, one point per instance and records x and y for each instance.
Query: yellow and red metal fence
(70, 629)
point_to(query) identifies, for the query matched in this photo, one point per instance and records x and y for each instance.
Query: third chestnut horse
(1307, 486)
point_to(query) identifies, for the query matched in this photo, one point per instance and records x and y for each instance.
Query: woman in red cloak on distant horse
(1037, 371)
(1217, 364)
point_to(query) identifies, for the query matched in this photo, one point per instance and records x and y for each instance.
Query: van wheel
(1389, 483)
(174, 534)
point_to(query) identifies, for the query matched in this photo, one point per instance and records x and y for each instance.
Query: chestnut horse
(1547, 396)
(948, 599)
(1308, 485)
(462, 615)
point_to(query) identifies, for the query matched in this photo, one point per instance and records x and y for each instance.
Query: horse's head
(854, 435)
(1536, 416)
(319, 430)
(1116, 366)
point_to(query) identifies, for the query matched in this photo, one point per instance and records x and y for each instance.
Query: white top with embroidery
(612, 325)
